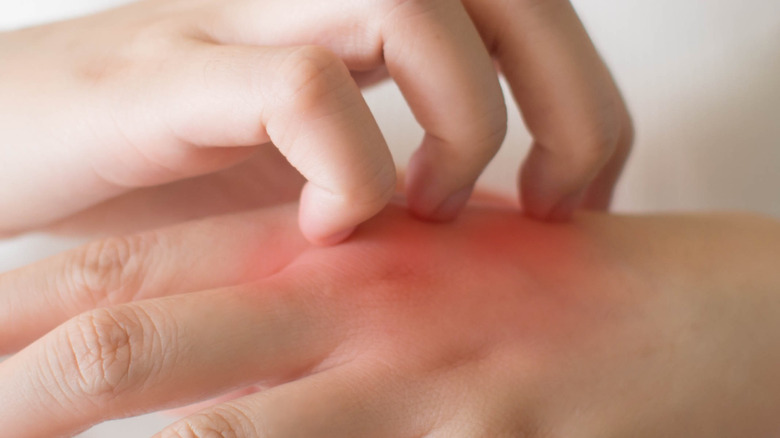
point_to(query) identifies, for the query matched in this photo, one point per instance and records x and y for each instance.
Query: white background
(702, 79)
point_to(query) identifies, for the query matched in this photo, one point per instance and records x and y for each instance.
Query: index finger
(304, 100)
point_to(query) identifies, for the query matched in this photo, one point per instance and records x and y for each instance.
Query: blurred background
(702, 80)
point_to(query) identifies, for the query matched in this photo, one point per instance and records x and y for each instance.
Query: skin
(493, 325)
(161, 91)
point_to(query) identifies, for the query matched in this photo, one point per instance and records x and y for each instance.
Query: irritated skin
(493, 326)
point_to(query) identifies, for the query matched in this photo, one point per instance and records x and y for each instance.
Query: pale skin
(115, 104)
(490, 326)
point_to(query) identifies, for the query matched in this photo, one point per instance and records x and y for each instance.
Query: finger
(162, 353)
(195, 256)
(264, 180)
(569, 101)
(368, 78)
(598, 195)
(305, 101)
(344, 402)
(442, 67)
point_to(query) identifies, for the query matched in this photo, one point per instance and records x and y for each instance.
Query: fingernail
(451, 206)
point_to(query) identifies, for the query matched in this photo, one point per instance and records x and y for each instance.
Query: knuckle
(490, 131)
(109, 271)
(312, 84)
(106, 350)
(308, 73)
(594, 137)
(591, 149)
(375, 192)
(595, 151)
(221, 422)
(146, 47)
(601, 140)
(480, 137)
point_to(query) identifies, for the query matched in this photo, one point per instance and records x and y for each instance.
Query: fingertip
(428, 195)
(446, 210)
(550, 190)
(564, 210)
(551, 210)
(323, 230)
(327, 219)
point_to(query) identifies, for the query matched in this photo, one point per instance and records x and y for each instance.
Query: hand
(161, 91)
(488, 326)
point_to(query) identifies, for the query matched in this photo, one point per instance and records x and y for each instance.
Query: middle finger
(436, 56)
